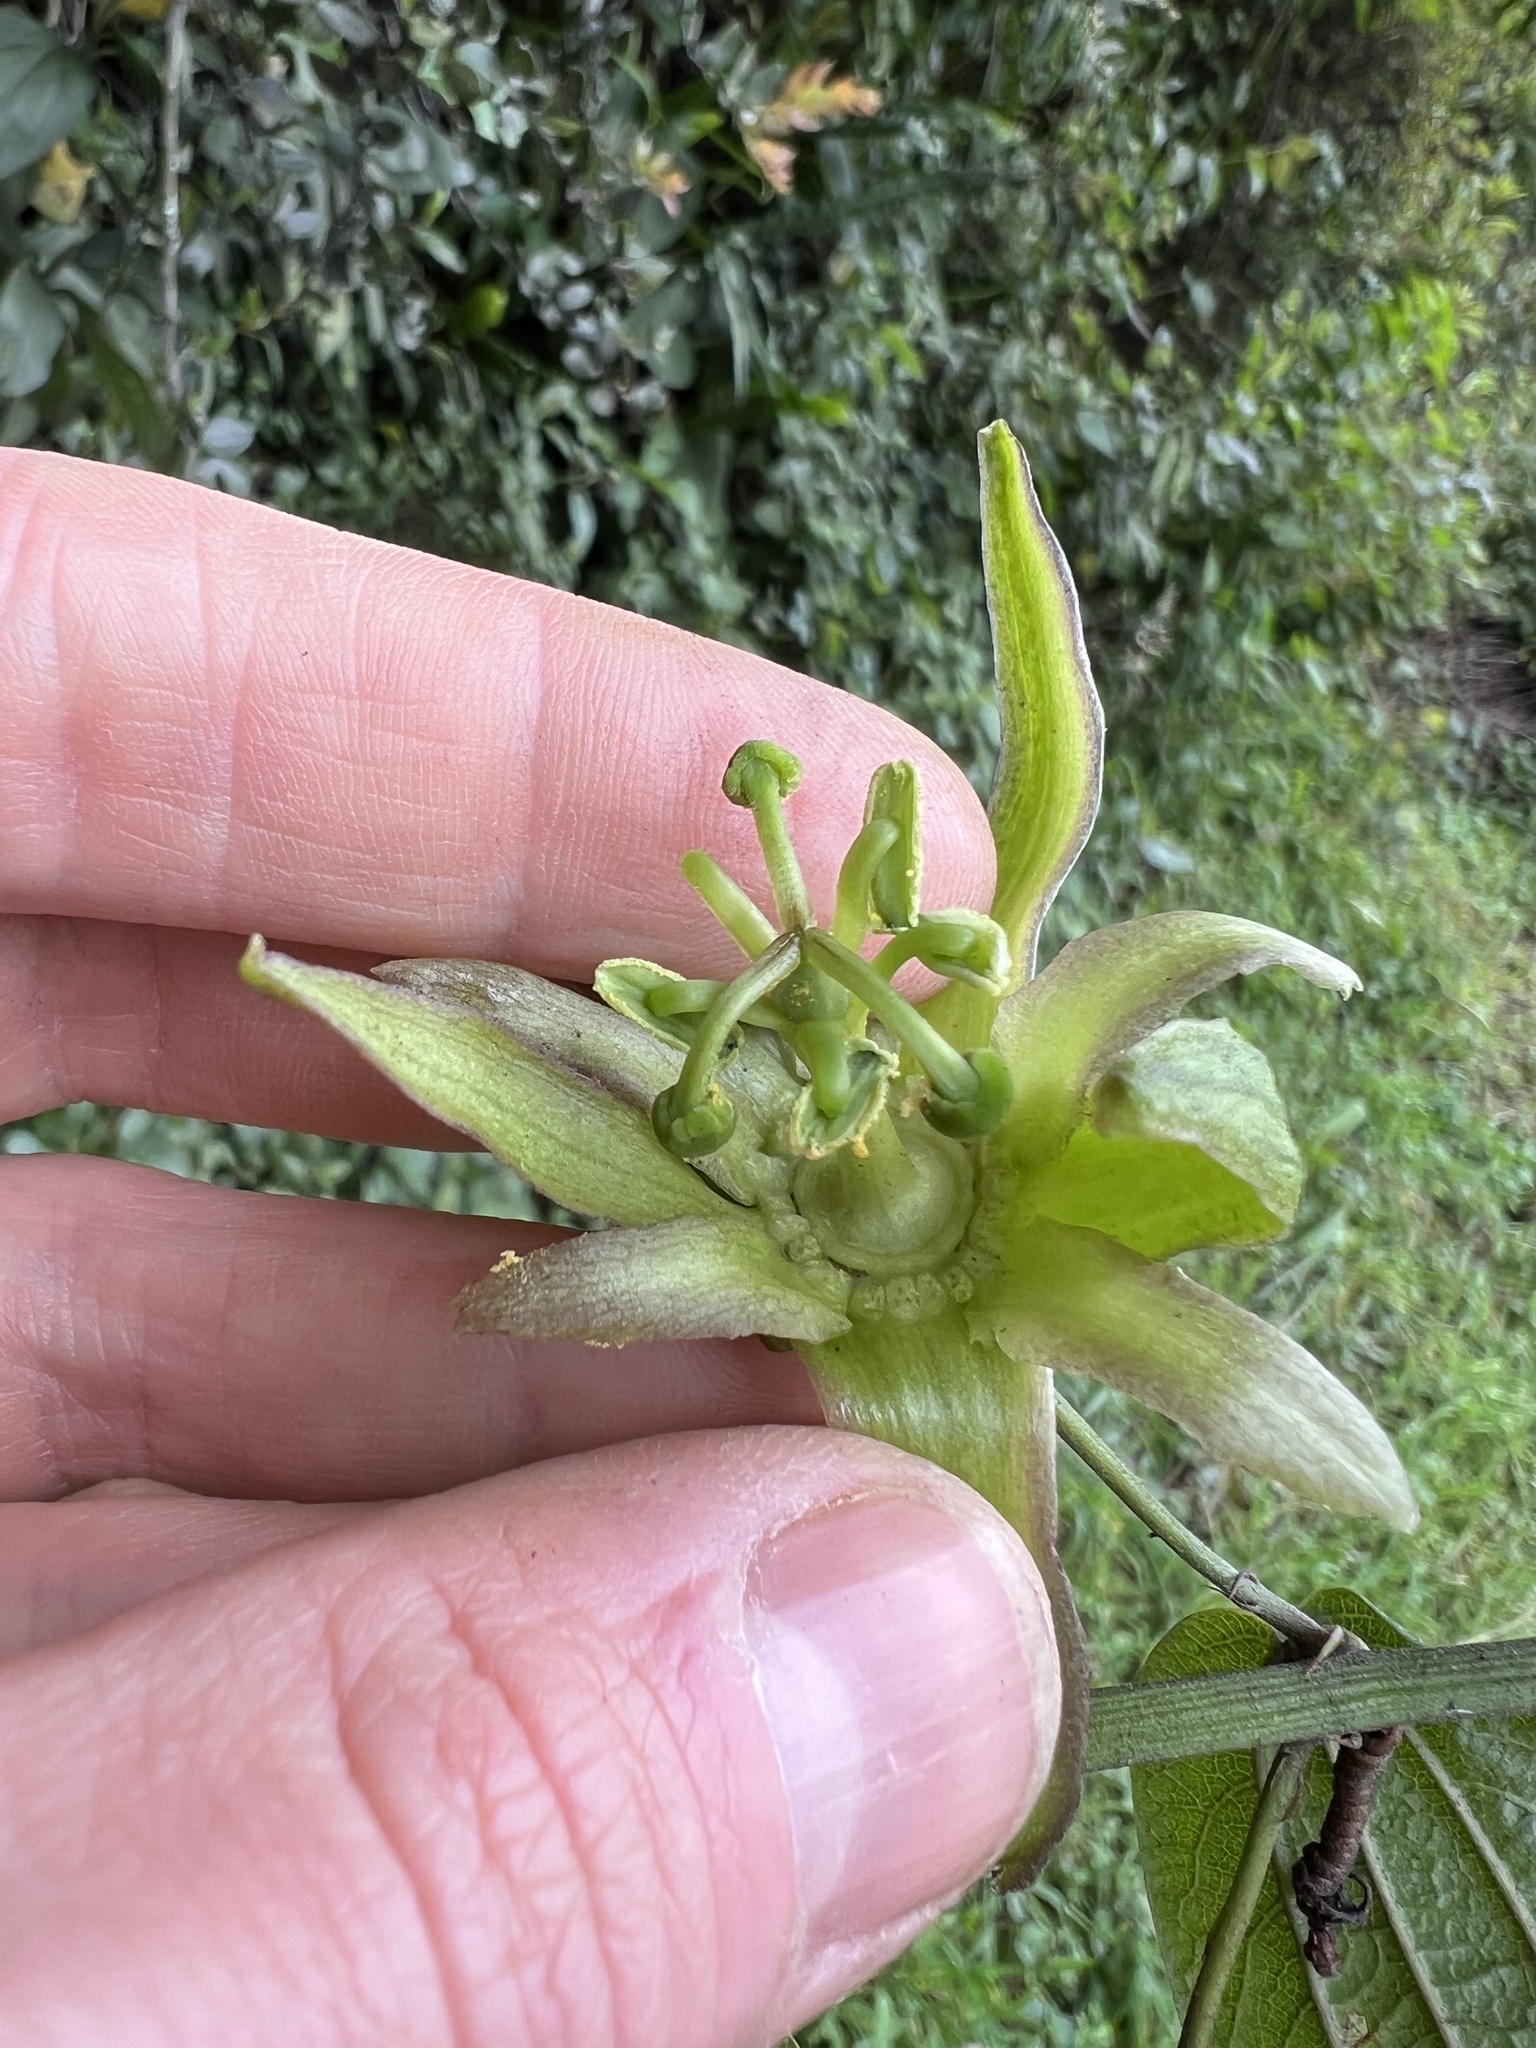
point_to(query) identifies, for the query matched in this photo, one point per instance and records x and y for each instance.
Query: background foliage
(697, 308)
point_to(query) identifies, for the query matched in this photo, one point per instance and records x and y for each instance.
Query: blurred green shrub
(618, 297)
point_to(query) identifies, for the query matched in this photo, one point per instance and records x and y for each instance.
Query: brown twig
(1329, 1891)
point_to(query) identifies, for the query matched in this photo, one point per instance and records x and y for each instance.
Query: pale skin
(359, 1683)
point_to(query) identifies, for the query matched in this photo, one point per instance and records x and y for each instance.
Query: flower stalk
(1238, 1585)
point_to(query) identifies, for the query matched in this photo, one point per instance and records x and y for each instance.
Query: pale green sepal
(1048, 775)
(1159, 1199)
(554, 1022)
(1076, 1300)
(1186, 1145)
(574, 1139)
(1104, 993)
(990, 1419)
(716, 1277)
(1050, 768)
(560, 1025)
(632, 1062)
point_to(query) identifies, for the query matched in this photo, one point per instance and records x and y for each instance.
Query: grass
(1388, 831)
(1384, 828)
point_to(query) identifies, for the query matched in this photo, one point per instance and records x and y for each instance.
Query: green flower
(935, 1204)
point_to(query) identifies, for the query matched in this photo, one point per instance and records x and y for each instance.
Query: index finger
(223, 717)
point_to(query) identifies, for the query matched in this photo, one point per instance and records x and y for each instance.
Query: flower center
(843, 1028)
(904, 1205)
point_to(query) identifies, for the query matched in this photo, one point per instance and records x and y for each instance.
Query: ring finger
(260, 1346)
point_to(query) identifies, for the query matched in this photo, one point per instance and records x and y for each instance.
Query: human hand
(672, 1733)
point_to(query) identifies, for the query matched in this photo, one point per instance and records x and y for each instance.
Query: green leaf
(583, 1145)
(1186, 1145)
(1107, 991)
(720, 1276)
(991, 1420)
(1449, 1957)
(1451, 1856)
(1078, 1301)
(1193, 1818)
(1048, 776)
(45, 90)
(31, 329)
(152, 426)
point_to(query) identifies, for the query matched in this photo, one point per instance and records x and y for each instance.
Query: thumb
(673, 1742)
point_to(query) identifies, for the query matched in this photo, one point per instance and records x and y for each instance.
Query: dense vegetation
(542, 287)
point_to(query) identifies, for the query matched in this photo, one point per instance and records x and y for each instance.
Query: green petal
(1078, 1301)
(1187, 1145)
(1106, 992)
(579, 1142)
(721, 1276)
(936, 1387)
(1048, 777)
(1049, 771)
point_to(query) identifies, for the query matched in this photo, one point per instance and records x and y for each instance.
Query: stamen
(728, 903)
(896, 885)
(962, 945)
(694, 1116)
(682, 998)
(973, 1089)
(945, 1067)
(855, 881)
(758, 777)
